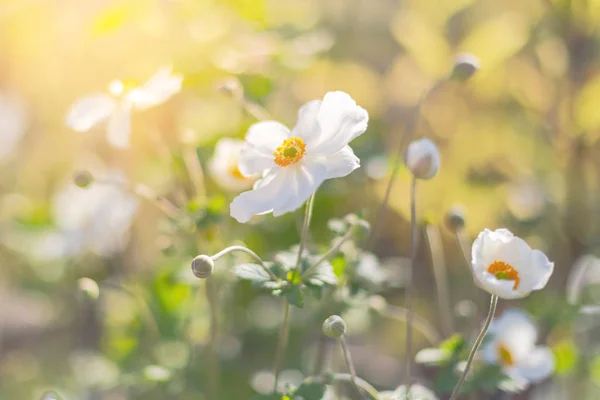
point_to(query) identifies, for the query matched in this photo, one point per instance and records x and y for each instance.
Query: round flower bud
(334, 327)
(455, 218)
(465, 66)
(83, 179)
(422, 159)
(89, 288)
(202, 266)
(231, 87)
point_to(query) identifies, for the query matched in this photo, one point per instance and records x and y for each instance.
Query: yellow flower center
(505, 271)
(118, 88)
(235, 172)
(290, 152)
(505, 355)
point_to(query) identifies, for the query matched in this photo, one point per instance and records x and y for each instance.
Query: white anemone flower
(506, 266)
(416, 392)
(223, 166)
(295, 163)
(116, 106)
(512, 345)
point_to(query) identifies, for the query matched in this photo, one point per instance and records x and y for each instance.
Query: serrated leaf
(322, 275)
(311, 391)
(294, 296)
(253, 273)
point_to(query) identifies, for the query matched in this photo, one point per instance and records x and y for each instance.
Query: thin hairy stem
(441, 278)
(213, 361)
(247, 251)
(418, 323)
(408, 291)
(488, 321)
(407, 135)
(282, 342)
(305, 227)
(364, 385)
(350, 364)
(330, 252)
(195, 171)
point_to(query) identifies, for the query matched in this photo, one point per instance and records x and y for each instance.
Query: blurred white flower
(223, 166)
(13, 123)
(116, 107)
(97, 218)
(423, 159)
(506, 266)
(511, 344)
(416, 392)
(294, 164)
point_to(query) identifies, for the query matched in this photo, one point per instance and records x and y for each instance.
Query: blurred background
(97, 300)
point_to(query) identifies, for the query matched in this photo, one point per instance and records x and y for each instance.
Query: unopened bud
(465, 66)
(89, 288)
(50, 396)
(423, 159)
(334, 327)
(83, 179)
(202, 266)
(455, 218)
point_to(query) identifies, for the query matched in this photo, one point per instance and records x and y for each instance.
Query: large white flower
(223, 166)
(294, 164)
(511, 344)
(116, 107)
(506, 266)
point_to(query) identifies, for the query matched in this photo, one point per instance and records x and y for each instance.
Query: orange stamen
(290, 152)
(505, 271)
(505, 355)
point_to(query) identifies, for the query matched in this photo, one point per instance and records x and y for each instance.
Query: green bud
(202, 266)
(334, 327)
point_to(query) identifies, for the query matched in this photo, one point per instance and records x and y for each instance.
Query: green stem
(432, 233)
(364, 385)
(249, 252)
(305, 226)
(330, 252)
(282, 342)
(350, 364)
(419, 323)
(408, 291)
(488, 321)
(213, 361)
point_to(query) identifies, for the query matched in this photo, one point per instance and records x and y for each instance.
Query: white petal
(118, 129)
(543, 269)
(307, 128)
(89, 111)
(538, 365)
(224, 161)
(261, 141)
(340, 121)
(515, 330)
(264, 198)
(500, 287)
(303, 181)
(158, 89)
(337, 165)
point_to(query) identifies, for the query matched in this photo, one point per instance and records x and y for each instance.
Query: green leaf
(253, 273)
(272, 396)
(566, 355)
(339, 266)
(294, 296)
(322, 275)
(311, 391)
(454, 344)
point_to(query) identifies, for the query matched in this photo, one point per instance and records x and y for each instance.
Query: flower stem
(407, 135)
(432, 233)
(488, 321)
(247, 251)
(419, 323)
(364, 385)
(330, 252)
(213, 361)
(305, 226)
(350, 364)
(195, 171)
(282, 342)
(408, 291)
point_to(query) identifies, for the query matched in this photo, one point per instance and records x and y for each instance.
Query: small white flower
(423, 159)
(13, 123)
(294, 164)
(116, 107)
(506, 266)
(417, 392)
(511, 344)
(223, 166)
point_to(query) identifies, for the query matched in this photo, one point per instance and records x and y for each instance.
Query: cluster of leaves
(308, 390)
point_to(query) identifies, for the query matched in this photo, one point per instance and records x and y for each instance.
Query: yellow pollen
(505, 355)
(505, 271)
(290, 152)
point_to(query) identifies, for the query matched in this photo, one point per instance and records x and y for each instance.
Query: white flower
(116, 107)
(97, 218)
(294, 164)
(417, 392)
(223, 166)
(511, 344)
(423, 159)
(506, 266)
(13, 123)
